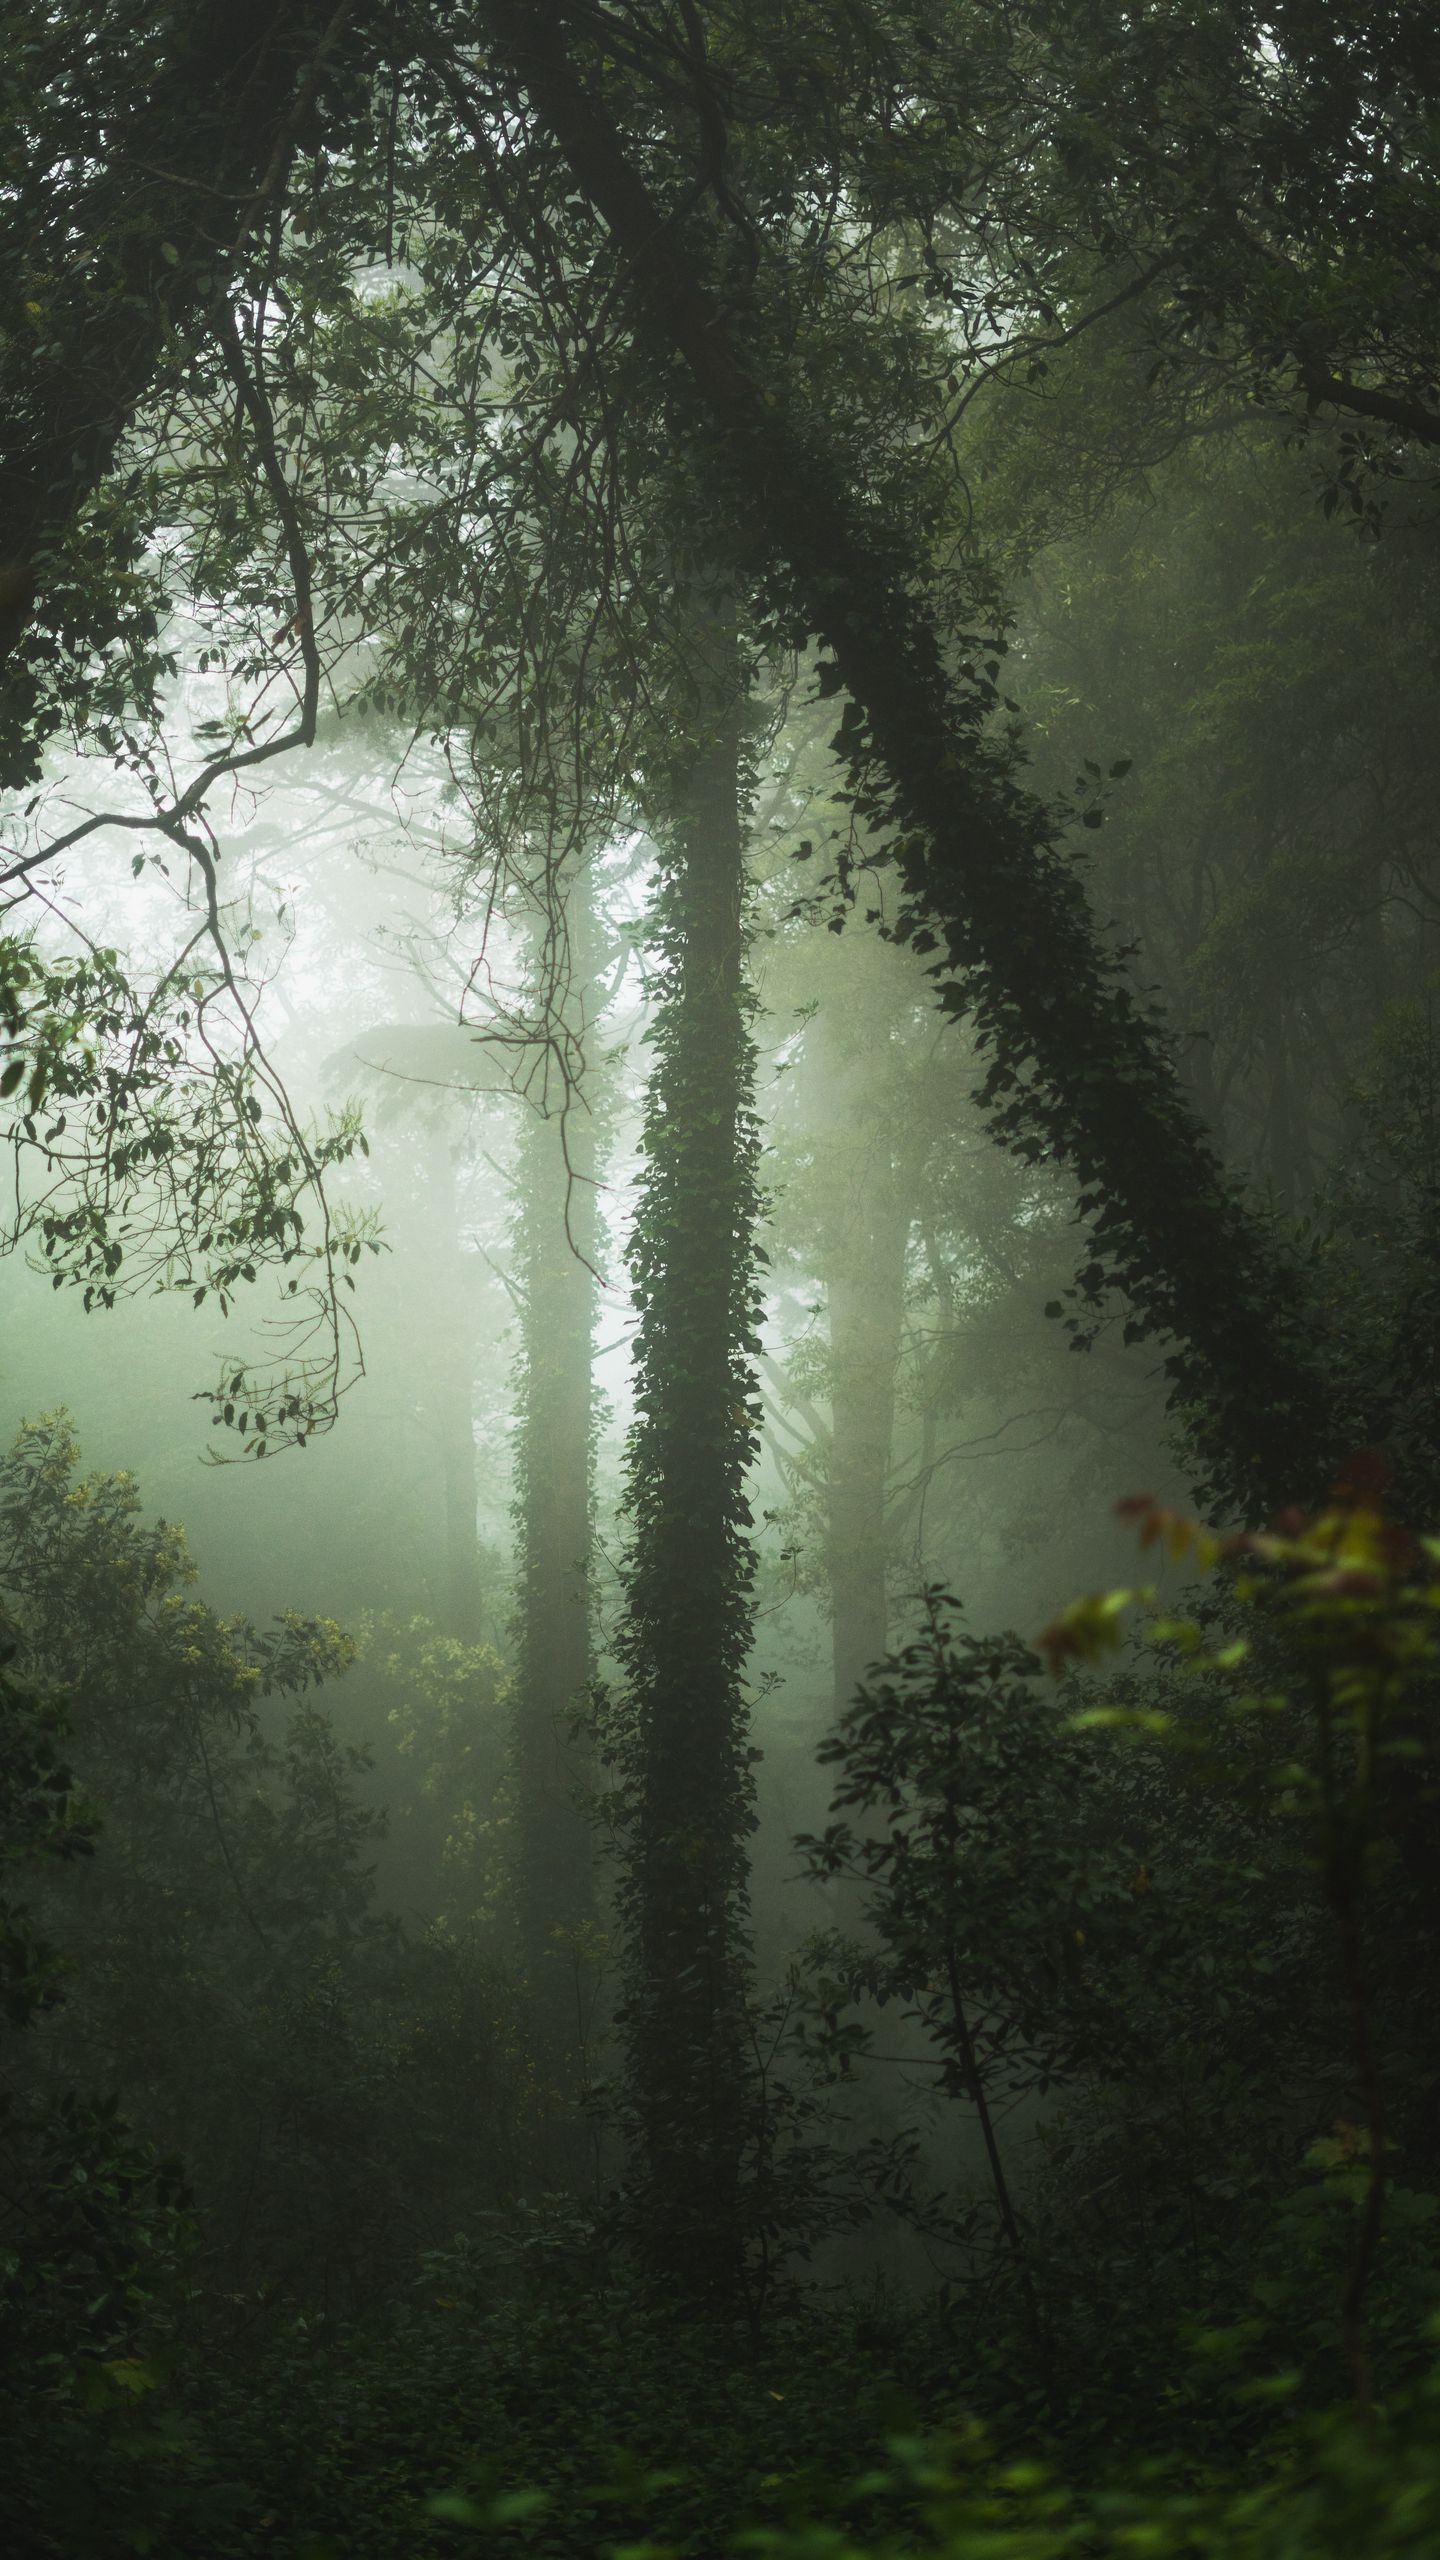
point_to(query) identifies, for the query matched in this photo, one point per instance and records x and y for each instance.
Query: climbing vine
(680, 1736)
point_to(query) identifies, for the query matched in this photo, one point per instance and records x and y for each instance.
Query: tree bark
(688, 1600)
(557, 1243)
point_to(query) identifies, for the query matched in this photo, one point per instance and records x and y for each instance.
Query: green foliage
(92, 2222)
(1375, 1228)
(1195, 1916)
(121, 1106)
(1335, 2488)
(1271, 844)
(1113, 1896)
(677, 1736)
(322, 2074)
(989, 1876)
(507, 305)
(40, 1817)
(593, 2422)
(446, 1705)
(1334, 1662)
(607, 2416)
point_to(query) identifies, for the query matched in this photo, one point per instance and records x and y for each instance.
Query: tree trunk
(691, 1565)
(865, 1294)
(556, 1247)
(1078, 1070)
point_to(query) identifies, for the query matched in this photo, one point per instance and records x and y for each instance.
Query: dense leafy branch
(122, 221)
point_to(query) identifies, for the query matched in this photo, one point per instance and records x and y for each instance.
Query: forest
(720, 1310)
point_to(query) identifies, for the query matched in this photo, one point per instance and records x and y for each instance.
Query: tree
(682, 1742)
(165, 183)
(609, 247)
(93, 2224)
(557, 1241)
(231, 1976)
(1076, 1068)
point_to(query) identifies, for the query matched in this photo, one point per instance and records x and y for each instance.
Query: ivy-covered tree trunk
(688, 1614)
(555, 1253)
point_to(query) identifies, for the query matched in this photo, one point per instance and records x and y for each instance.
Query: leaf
(451, 2508)
(131, 2375)
(1088, 1628)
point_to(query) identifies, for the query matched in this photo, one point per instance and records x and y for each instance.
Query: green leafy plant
(1334, 1653)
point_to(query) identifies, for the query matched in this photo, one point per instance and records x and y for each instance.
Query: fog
(717, 1323)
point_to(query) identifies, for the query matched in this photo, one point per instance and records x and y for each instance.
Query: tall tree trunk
(450, 1393)
(691, 1565)
(865, 1295)
(556, 1247)
(1078, 1069)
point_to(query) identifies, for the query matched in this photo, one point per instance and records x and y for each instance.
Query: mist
(718, 1433)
